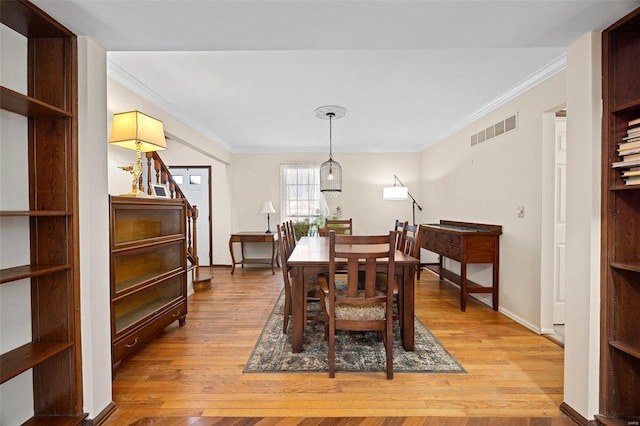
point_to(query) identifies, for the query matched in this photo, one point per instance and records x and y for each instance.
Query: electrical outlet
(520, 211)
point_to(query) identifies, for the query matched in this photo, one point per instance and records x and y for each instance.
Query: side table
(253, 237)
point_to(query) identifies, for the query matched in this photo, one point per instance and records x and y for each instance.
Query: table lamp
(137, 131)
(267, 208)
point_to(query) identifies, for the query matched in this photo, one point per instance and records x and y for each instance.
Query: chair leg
(332, 351)
(287, 311)
(388, 344)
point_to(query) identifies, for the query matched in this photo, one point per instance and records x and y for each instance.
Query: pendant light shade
(331, 170)
(331, 176)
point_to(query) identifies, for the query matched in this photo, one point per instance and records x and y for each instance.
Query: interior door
(560, 212)
(194, 183)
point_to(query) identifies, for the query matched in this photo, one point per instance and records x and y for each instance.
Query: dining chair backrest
(341, 226)
(399, 228)
(291, 231)
(284, 243)
(356, 249)
(409, 243)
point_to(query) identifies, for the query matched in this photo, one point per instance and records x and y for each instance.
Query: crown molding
(548, 71)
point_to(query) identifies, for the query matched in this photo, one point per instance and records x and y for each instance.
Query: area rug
(355, 351)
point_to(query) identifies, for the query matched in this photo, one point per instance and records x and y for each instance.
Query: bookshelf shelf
(28, 356)
(29, 271)
(28, 106)
(631, 347)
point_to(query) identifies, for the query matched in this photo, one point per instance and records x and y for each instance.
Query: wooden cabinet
(45, 114)
(620, 295)
(465, 243)
(148, 269)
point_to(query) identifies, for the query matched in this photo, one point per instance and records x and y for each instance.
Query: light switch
(520, 211)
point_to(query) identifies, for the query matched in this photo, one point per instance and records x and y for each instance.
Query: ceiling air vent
(507, 125)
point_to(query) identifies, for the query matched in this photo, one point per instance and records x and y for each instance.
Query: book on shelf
(630, 151)
(634, 122)
(630, 163)
(632, 138)
(635, 180)
(631, 157)
(634, 131)
(629, 145)
(630, 173)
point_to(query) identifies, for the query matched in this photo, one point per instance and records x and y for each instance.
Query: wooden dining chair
(360, 305)
(341, 226)
(314, 293)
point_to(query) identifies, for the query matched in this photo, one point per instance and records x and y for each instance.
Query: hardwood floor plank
(192, 375)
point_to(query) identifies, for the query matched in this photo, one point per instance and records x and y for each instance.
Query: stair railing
(157, 168)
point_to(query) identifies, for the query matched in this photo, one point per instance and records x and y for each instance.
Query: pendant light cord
(331, 115)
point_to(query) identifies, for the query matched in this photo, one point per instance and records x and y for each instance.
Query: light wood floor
(192, 375)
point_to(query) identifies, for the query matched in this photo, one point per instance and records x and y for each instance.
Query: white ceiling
(249, 74)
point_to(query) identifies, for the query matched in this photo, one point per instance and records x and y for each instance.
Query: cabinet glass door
(137, 267)
(154, 223)
(144, 303)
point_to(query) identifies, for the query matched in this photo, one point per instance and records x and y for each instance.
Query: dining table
(311, 257)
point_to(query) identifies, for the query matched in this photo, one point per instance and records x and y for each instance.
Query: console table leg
(273, 257)
(463, 286)
(233, 259)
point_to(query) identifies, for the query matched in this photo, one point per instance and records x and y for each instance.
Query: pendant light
(330, 171)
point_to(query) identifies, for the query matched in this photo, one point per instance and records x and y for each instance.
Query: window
(302, 201)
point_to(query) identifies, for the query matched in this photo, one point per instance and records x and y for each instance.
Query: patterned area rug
(356, 352)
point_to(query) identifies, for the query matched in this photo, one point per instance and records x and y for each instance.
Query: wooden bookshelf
(620, 288)
(50, 220)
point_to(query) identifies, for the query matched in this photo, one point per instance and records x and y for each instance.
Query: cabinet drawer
(428, 239)
(136, 339)
(255, 238)
(448, 238)
(451, 251)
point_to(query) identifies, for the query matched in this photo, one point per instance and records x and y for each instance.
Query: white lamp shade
(395, 193)
(129, 128)
(267, 207)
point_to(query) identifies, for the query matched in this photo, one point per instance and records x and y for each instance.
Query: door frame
(547, 220)
(210, 227)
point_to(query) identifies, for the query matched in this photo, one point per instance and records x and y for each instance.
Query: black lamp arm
(414, 200)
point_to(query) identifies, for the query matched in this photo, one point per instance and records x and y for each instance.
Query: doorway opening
(553, 283)
(195, 183)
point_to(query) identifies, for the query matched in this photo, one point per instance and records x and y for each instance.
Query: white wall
(94, 226)
(584, 94)
(486, 183)
(256, 178)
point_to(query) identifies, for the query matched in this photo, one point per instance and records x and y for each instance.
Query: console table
(253, 237)
(466, 243)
